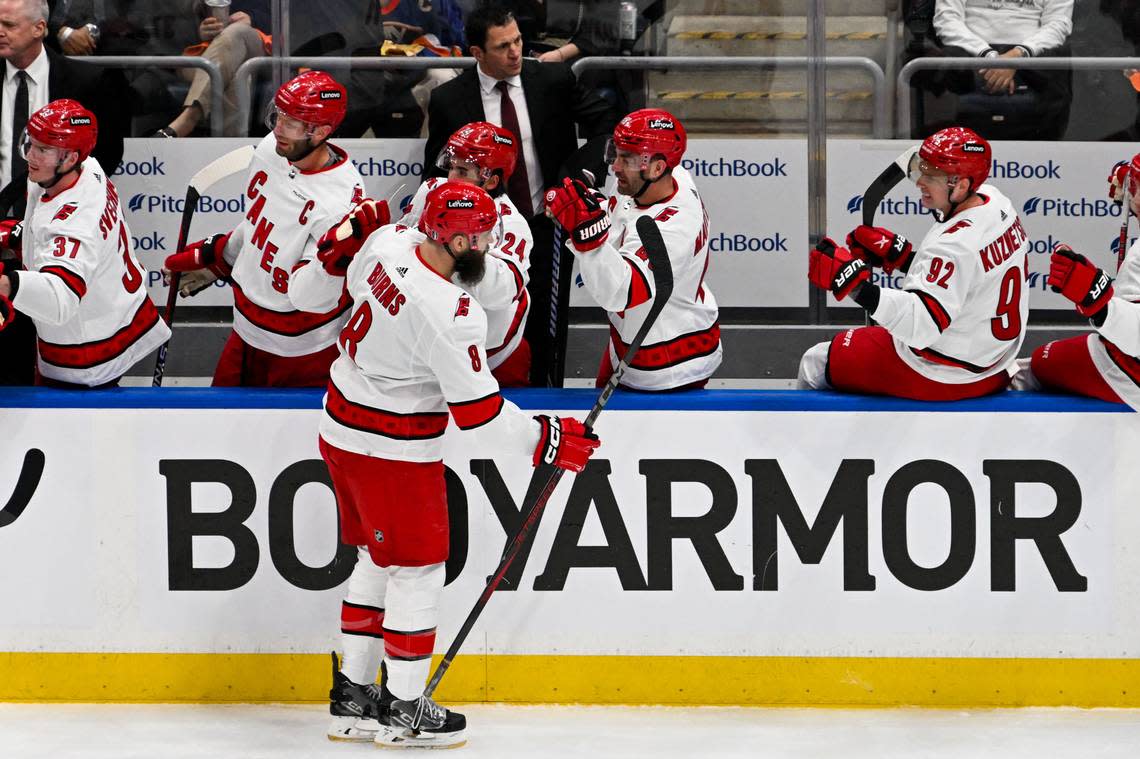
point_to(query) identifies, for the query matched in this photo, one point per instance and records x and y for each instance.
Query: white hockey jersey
(83, 287)
(1116, 349)
(502, 291)
(683, 346)
(284, 301)
(412, 354)
(959, 315)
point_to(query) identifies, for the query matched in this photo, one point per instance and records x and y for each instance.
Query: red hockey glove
(202, 254)
(1116, 178)
(581, 211)
(879, 246)
(564, 443)
(7, 312)
(11, 234)
(834, 268)
(337, 247)
(1075, 277)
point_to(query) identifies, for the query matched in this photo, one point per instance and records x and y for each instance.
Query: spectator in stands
(1007, 29)
(542, 104)
(585, 28)
(228, 38)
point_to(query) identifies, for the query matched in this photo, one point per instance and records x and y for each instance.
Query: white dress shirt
(492, 113)
(37, 98)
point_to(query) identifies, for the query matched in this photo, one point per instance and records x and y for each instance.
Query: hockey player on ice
(412, 356)
(82, 287)
(287, 311)
(954, 328)
(1103, 364)
(484, 155)
(682, 349)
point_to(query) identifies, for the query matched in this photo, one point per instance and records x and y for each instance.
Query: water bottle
(627, 25)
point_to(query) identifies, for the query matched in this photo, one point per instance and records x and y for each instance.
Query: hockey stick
(26, 484)
(663, 286)
(895, 172)
(224, 166)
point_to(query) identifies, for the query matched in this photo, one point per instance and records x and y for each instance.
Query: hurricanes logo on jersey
(463, 307)
(65, 211)
(958, 225)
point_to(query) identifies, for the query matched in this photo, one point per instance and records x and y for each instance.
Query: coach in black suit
(545, 104)
(33, 77)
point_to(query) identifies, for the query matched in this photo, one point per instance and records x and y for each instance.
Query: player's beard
(470, 266)
(299, 149)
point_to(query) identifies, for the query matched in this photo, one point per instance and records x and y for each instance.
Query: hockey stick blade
(26, 484)
(884, 183)
(224, 166)
(658, 256)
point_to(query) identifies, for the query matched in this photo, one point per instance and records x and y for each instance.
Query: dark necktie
(518, 186)
(19, 121)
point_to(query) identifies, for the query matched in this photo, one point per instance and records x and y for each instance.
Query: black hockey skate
(421, 723)
(358, 711)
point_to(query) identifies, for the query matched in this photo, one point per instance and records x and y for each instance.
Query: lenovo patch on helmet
(461, 203)
(80, 120)
(660, 123)
(973, 147)
(330, 95)
(502, 140)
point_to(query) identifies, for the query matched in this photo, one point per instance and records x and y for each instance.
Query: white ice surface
(86, 731)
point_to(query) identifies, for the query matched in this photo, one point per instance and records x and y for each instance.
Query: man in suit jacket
(49, 76)
(542, 103)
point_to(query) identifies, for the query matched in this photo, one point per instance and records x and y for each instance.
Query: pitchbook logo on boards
(1099, 207)
(172, 204)
(905, 206)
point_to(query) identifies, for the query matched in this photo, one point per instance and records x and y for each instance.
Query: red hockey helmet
(484, 144)
(64, 124)
(313, 97)
(457, 208)
(959, 152)
(649, 132)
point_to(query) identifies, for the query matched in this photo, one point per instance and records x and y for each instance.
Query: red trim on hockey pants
(356, 619)
(1067, 366)
(515, 371)
(606, 370)
(1127, 364)
(409, 646)
(864, 360)
(397, 509)
(242, 365)
(87, 355)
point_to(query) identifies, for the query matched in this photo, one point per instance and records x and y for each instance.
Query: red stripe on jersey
(379, 422)
(941, 358)
(471, 414)
(87, 355)
(73, 281)
(409, 646)
(935, 309)
(288, 323)
(638, 287)
(516, 324)
(357, 619)
(1130, 365)
(520, 287)
(671, 352)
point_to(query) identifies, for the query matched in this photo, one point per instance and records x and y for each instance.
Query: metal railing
(902, 97)
(217, 86)
(720, 62)
(243, 78)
